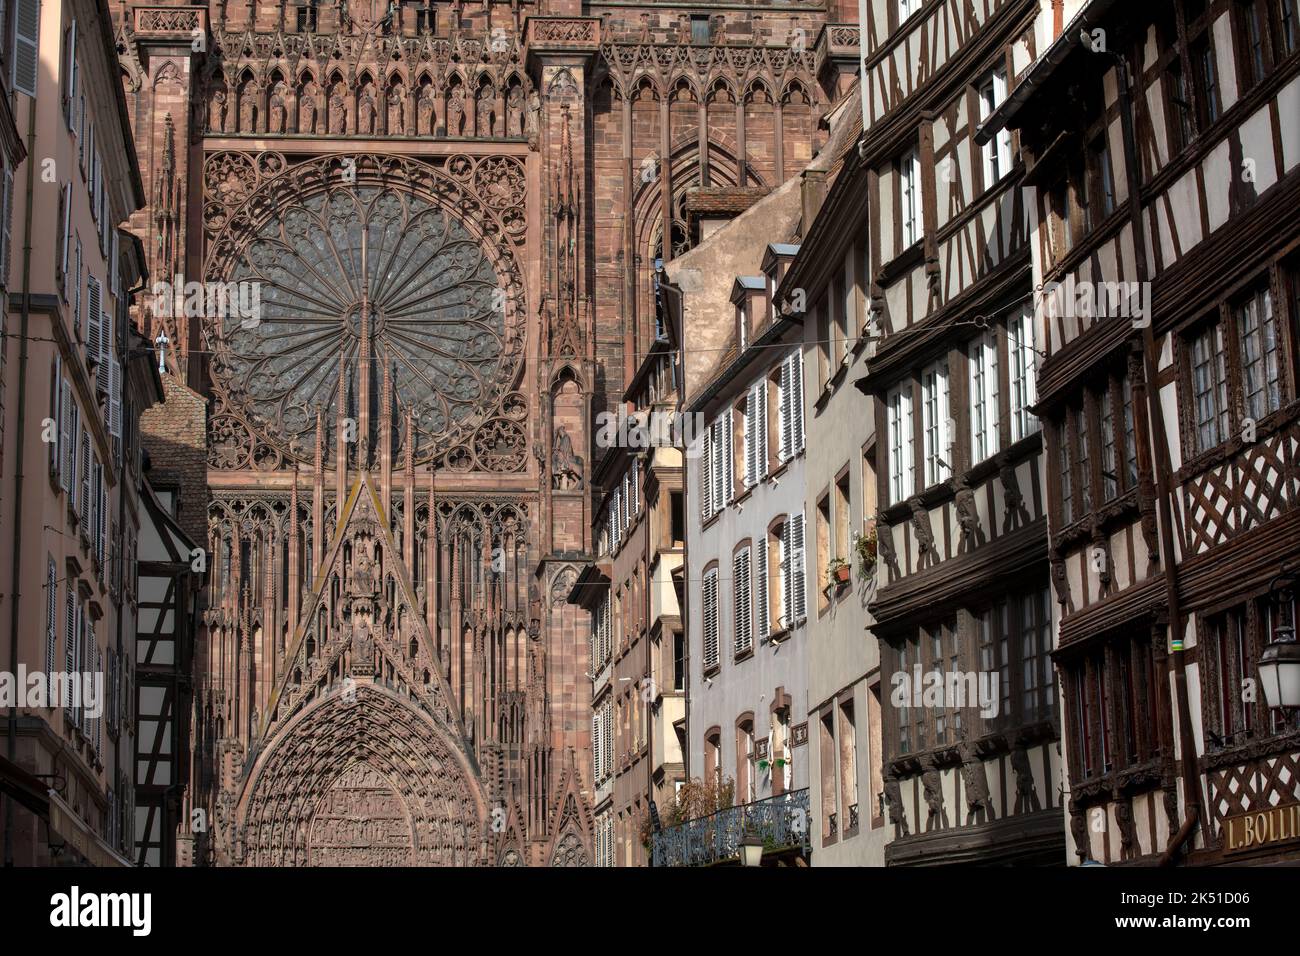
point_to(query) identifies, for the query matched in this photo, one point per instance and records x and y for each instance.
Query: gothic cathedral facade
(434, 228)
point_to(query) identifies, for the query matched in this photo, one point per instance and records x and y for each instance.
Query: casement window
(70, 443)
(709, 603)
(6, 226)
(24, 56)
(65, 244)
(1178, 108)
(793, 573)
(746, 768)
(1287, 13)
(51, 613)
(843, 504)
(71, 638)
(1233, 641)
(755, 443)
(1257, 337)
(997, 151)
(791, 423)
(1205, 72)
(1037, 681)
(906, 8)
(826, 749)
(902, 464)
(1022, 355)
(1209, 386)
(910, 200)
(717, 475)
(1252, 57)
(982, 361)
(995, 636)
(1014, 641)
(934, 649)
(1083, 455)
(70, 85)
(935, 423)
(1112, 705)
(742, 589)
(822, 544)
(1101, 180)
(848, 754)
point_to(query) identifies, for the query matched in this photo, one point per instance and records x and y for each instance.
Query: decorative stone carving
(566, 466)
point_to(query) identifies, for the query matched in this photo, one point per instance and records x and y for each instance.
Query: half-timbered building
(1162, 185)
(940, 286)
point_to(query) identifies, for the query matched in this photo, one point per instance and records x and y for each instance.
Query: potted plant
(838, 570)
(866, 549)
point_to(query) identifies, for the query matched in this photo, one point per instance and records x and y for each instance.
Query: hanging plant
(866, 549)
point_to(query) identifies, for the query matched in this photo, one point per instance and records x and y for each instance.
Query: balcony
(780, 822)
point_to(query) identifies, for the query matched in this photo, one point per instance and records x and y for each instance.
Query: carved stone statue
(217, 112)
(424, 111)
(277, 109)
(247, 109)
(397, 110)
(307, 108)
(456, 111)
(534, 118)
(485, 111)
(366, 111)
(1127, 830)
(515, 111)
(338, 111)
(566, 465)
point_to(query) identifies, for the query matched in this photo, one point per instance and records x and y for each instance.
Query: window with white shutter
(6, 225)
(710, 604)
(56, 417)
(796, 400)
(706, 476)
(65, 243)
(791, 413)
(728, 449)
(70, 91)
(104, 373)
(798, 608)
(83, 469)
(762, 624)
(24, 54)
(66, 433)
(751, 436)
(96, 479)
(760, 431)
(742, 595)
(51, 614)
(71, 622)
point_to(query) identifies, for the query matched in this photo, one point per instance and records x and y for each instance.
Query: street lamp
(751, 849)
(1279, 667)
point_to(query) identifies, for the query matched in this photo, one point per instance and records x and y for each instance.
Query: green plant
(865, 547)
(699, 798)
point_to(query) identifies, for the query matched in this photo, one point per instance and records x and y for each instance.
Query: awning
(67, 824)
(28, 790)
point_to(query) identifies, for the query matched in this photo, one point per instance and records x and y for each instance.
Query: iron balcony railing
(781, 822)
